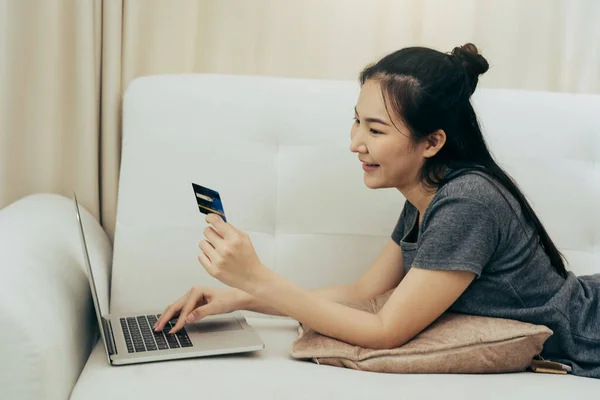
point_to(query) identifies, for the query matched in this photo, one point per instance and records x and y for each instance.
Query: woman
(466, 241)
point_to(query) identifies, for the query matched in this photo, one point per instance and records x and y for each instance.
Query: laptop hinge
(108, 334)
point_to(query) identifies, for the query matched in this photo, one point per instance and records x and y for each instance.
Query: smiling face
(390, 157)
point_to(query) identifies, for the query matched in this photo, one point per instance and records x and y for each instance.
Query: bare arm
(385, 273)
(416, 302)
(333, 293)
(419, 299)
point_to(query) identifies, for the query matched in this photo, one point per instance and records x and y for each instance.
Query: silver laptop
(129, 339)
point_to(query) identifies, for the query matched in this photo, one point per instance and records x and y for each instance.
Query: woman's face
(388, 155)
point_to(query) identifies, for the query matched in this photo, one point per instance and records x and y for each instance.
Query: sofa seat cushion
(273, 374)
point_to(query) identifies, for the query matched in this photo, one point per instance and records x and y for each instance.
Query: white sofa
(278, 151)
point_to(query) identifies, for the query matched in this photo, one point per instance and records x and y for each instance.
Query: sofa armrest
(46, 311)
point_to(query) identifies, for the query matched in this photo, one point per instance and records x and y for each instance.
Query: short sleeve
(457, 233)
(398, 232)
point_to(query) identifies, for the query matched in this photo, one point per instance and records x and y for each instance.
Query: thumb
(199, 313)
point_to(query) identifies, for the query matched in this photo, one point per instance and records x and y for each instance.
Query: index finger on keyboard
(166, 317)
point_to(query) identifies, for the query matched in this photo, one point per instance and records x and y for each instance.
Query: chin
(374, 184)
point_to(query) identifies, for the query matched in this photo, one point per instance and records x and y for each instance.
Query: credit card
(208, 200)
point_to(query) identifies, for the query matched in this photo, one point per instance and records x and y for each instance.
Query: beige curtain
(65, 64)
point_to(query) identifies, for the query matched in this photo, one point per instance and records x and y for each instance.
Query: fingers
(187, 308)
(224, 229)
(208, 249)
(206, 263)
(169, 313)
(221, 232)
(199, 313)
(213, 237)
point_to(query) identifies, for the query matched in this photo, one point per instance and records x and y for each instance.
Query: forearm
(322, 314)
(251, 303)
(338, 293)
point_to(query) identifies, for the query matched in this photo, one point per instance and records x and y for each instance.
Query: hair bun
(472, 61)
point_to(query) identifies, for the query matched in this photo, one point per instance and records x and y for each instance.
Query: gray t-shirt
(474, 224)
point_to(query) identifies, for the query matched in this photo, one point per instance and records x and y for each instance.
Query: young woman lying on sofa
(467, 240)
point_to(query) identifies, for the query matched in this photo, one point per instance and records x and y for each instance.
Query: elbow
(384, 337)
(388, 340)
(390, 337)
(390, 343)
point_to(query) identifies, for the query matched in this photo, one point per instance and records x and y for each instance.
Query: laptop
(130, 339)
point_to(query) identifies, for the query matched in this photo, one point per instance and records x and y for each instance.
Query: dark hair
(430, 90)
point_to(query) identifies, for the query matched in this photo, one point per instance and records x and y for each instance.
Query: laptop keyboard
(139, 335)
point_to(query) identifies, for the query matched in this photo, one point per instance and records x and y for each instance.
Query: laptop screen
(86, 258)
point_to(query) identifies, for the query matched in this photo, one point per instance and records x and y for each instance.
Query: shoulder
(481, 188)
(472, 197)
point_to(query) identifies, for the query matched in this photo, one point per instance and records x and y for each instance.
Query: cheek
(398, 159)
(393, 153)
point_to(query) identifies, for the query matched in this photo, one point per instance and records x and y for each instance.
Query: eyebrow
(373, 120)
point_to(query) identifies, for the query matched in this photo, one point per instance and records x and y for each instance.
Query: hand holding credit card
(209, 201)
(227, 253)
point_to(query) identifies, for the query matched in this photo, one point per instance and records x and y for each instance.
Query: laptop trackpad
(214, 325)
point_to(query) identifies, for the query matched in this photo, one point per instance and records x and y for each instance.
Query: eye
(356, 120)
(375, 132)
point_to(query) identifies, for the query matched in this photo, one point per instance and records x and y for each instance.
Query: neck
(419, 196)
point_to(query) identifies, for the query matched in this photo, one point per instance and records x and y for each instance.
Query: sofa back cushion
(277, 150)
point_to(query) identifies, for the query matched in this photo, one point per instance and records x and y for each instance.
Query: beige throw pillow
(454, 343)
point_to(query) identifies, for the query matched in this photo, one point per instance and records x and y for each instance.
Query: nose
(356, 143)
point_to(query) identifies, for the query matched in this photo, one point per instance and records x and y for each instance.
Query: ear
(434, 143)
